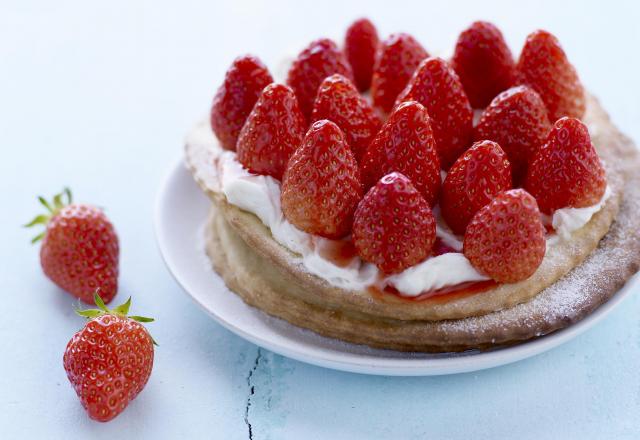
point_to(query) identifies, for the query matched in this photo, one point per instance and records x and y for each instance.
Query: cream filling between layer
(260, 195)
(566, 220)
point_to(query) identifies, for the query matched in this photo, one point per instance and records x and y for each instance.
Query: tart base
(260, 284)
(564, 291)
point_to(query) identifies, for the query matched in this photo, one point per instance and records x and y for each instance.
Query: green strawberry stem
(52, 208)
(122, 311)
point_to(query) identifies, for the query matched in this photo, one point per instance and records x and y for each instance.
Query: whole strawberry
(566, 171)
(473, 181)
(505, 239)
(436, 86)
(235, 98)
(321, 186)
(109, 361)
(273, 131)
(405, 144)
(544, 66)
(483, 62)
(360, 47)
(393, 226)
(398, 57)
(339, 101)
(79, 250)
(317, 61)
(517, 120)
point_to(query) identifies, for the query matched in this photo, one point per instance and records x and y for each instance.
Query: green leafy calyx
(52, 208)
(122, 311)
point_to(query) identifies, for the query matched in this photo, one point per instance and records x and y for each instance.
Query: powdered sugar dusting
(594, 281)
(582, 290)
(565, 302)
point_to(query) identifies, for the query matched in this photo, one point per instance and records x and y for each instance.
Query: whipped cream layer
(260, 195)
(567, 220)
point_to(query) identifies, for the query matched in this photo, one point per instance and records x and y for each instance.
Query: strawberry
(566, 170)
(517, 120)
(321, 186)
(339, 101)
(235, 98)
(473, 181)
(393, 226)
(397, 58)
(544, 66)
(273, 131)
(317, 61)
(505, 239)
(79, 249)
(109, 361)
(405, 144)
(360, 46)
(436, 86)
(483, 62)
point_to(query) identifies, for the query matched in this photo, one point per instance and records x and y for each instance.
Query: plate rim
(382, 366)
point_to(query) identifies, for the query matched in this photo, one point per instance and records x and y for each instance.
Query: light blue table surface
(98, 96)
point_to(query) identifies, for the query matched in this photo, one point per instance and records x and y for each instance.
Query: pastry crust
(270, 277)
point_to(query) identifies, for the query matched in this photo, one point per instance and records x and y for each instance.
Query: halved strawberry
(398, 57)
(273, 131)
(339, 101)
(321, 186)
(235, 98)
(394, 227)
(360, 46)
(544, 66)
(318, 60)
(517, 120)
(473, 181)
(437, 86)
(483, 62)
(505, 239)
(566, 170)
(405, 144)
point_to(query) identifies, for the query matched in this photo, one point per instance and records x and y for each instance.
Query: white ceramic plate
(180, 215)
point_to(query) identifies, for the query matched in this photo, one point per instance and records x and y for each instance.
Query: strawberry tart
(386, 197)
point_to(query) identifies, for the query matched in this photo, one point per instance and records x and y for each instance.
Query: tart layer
(261, 282)
(615, 151)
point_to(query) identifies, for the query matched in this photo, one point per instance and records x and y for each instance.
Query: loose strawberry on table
(321, 186)
(566, 171)
(506, 239)
(339, 101)
(398, 57)
(436, 86)
(109, 361)
(481, 173)
(273, 131)
(79, 250)
(321, 58)
(393, 226)
(405, 144)
(517, 120)
(544, 66)
(483, 62)
(235, 98)
(360, 47)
